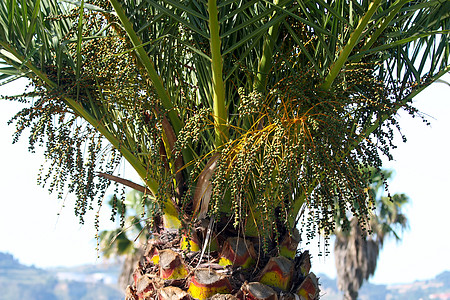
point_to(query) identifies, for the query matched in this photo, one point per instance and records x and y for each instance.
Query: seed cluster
(290, 143)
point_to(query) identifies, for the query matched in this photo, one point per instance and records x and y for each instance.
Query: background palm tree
(235, 114)
(129, 239)
(356, 252)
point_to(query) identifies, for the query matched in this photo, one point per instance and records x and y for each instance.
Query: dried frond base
(182, 274)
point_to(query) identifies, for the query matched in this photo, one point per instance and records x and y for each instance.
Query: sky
(32, 230)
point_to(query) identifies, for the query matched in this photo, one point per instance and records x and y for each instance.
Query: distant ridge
(88, 282)
(436, 288)
(8, 261)
(18, 281)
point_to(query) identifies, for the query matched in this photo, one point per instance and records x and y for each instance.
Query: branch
(148, 65)
(125, 182)
(220, 112)
(352, 42)
(265, 63)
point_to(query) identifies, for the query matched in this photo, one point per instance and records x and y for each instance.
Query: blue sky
(33, 232)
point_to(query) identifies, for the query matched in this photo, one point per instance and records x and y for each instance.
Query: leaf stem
(353, 40)
(265, 63)
(220, 112)
(148, 65)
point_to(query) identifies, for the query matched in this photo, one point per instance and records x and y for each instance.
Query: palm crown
(242, 110)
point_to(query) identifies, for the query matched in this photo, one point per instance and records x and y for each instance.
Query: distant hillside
(437, 288)
(106, 273)
(98, 282)
(18, 281)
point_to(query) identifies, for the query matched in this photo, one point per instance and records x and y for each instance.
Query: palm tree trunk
(238, 270)
(355, 257)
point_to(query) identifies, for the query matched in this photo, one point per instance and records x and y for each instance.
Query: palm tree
(356, 252)
(235, 114)
(129, 239)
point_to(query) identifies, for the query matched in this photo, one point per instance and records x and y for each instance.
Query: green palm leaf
(289, 93)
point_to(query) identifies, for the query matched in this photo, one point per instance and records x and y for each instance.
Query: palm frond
(289, 94)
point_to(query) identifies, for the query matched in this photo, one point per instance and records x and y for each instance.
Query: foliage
(129, 239)
(290, 96)
(122, 240)
(388, 219)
